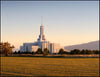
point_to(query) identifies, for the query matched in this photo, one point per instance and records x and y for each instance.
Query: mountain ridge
(93, 45)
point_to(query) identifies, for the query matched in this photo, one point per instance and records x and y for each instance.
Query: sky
(65, 22)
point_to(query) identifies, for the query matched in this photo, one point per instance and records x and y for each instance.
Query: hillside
(90, 45)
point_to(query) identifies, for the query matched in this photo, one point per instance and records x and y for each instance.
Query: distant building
(40, 43)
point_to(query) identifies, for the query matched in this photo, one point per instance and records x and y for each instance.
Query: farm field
(36, 66)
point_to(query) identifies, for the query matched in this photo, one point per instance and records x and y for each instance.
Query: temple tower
(41, 36)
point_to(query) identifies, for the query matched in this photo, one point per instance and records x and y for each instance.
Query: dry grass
(31, 66)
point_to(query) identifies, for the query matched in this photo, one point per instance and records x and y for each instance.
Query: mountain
(94, 45)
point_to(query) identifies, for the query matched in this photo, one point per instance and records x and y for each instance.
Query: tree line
(6, 48)
(39, 51)
(61, 51)
(77, 51)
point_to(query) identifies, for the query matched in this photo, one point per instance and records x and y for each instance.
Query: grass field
(32, 66)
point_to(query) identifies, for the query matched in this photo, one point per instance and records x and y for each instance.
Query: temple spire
(41, 20)
(41, 36)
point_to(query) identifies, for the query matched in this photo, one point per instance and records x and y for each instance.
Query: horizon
(72, 20)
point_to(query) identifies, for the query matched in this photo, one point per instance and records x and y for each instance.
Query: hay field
(32, 66)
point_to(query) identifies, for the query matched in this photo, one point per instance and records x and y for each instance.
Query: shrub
(45, 52)
(75, 51)
(39, 51)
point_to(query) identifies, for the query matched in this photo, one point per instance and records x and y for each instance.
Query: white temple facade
(41, 43)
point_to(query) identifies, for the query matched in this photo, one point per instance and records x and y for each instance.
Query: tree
(61, 51)
(15, 52)
(6, 48)
(39, 51)
(83, 51)
(96, 51)
(33, 52)
(66, 52)
(89, 51)
(19, 52)
(75, 51)
(45, 52)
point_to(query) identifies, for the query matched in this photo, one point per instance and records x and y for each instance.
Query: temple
(41, 43)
